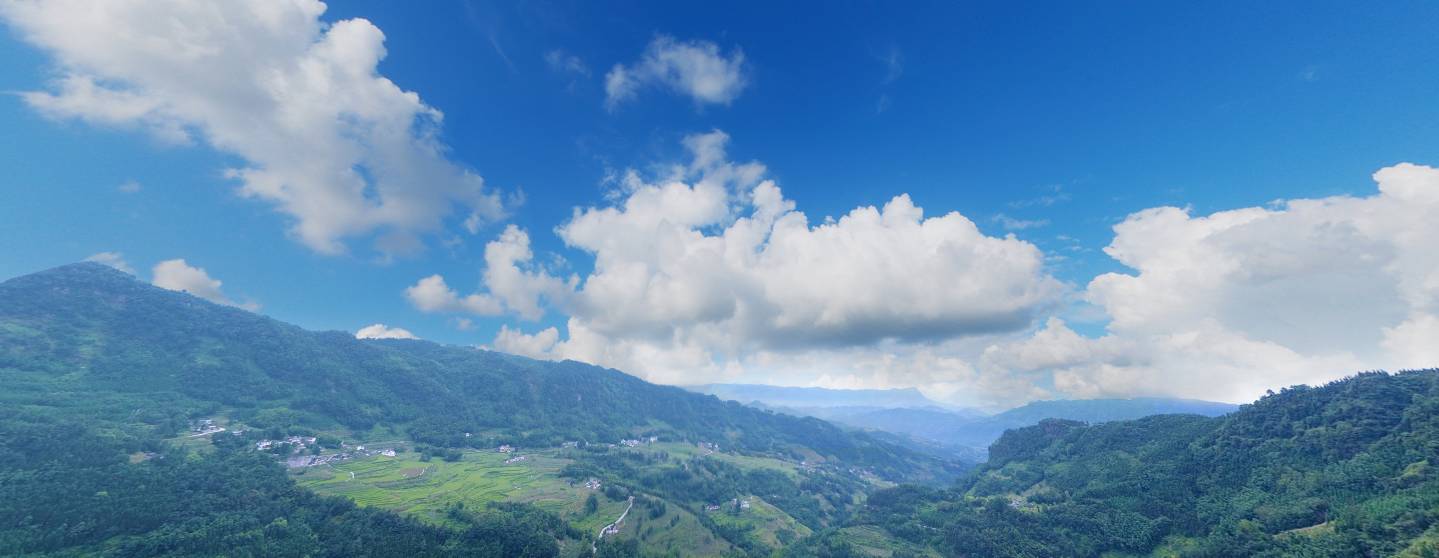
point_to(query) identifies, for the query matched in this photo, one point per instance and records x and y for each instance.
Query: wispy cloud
(566, 63)
(697, 69)
(1013, 224)
(112, 259)
(1054, 194)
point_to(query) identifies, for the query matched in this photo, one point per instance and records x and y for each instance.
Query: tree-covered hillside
(1346, 469)
(103, 378)
(93, 342)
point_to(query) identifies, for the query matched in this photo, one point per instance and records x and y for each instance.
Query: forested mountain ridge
(90, 337)
(1346, 469)
(814, 397)
(103, 380)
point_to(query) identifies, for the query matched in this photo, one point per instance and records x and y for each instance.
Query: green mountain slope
(1346, 469)
(102, 378)
(89, 338)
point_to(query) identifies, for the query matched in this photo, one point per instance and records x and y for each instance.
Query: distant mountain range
(966, 431)
(1344, 469)
(805, 397)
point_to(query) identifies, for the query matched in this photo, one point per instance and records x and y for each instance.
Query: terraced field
(426, 488)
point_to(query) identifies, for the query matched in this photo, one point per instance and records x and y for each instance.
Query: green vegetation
(102, 378)
(94, 342)
(66, 489)
(427, 489)
(1340, 470)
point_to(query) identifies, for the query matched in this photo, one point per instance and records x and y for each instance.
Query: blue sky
(1059, 120)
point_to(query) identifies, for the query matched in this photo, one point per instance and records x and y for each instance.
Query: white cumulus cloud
(177, 275)
(323, 136)
(513, 283)
(1226, 305)
(699, 272)
(382, 331)
(697, 69)
(432, 294)
(709, 274)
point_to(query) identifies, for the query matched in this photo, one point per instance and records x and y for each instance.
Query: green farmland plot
(426, 488)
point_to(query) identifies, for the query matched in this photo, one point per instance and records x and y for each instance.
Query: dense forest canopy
(1346, 469)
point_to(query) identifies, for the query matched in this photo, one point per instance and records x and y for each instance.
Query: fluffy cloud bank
(325, 138)
(1227, 305)
(710, 274)
(382, 331)
(177, 275)
(513, 282)
(696, 69)
(699, 270)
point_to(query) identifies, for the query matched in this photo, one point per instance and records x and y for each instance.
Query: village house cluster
(297, 443)
(734, 503)
(205, 426)
(301, 461)
(637, 442)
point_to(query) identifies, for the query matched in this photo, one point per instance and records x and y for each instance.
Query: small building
(506, 448)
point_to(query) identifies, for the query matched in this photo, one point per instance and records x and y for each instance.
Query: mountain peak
(75, 271)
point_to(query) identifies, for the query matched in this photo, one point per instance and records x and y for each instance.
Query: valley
(213, 429)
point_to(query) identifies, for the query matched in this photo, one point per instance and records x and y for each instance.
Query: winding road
(594, 546)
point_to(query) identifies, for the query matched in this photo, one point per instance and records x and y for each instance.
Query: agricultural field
(874, 541)
(425, 489)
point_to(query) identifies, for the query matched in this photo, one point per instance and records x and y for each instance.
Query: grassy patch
(426, 488)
